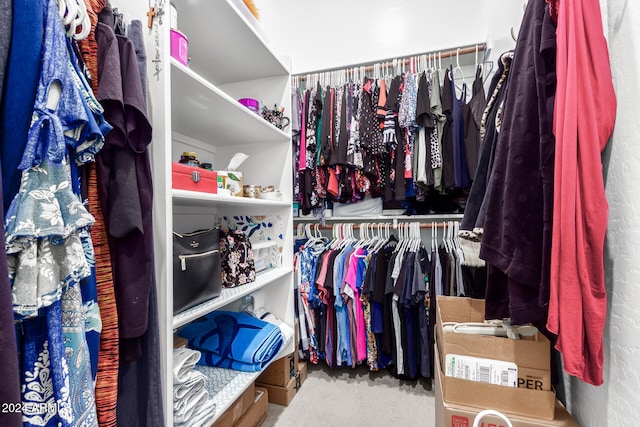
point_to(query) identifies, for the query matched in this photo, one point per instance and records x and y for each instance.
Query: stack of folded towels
(234, 340)
(191, 404)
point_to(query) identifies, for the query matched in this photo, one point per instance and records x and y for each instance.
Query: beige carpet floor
(354, 398)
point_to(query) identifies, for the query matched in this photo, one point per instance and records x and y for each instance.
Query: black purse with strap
(197, 275)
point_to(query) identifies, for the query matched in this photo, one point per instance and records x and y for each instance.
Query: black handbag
(196, 268)
(238, 266)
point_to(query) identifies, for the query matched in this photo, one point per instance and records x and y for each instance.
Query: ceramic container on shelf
(251, 104)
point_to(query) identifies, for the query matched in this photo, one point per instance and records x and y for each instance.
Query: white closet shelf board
(223, 46)
(230, 295)
(230, 384)
(202, 111)
(200, 199)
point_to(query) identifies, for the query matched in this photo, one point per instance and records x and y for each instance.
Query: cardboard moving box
(532, 356)
(237, 410)
(279, 372)
(257, 412)
(450, 415)
(302, 369)
(283, 395)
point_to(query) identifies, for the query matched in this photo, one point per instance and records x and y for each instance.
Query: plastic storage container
(179, 47)
(264, 254)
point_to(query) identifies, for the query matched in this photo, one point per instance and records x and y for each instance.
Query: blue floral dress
(48, 244)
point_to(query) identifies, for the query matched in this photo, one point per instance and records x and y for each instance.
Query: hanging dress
(460, 169)
(44, 232)
(44, 219)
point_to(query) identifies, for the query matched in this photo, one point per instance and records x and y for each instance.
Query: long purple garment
(10, 390)
(124, 174)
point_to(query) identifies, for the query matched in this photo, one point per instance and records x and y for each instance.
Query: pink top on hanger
(584, 116)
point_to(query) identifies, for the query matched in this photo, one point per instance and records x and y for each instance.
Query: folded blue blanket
(233, 340)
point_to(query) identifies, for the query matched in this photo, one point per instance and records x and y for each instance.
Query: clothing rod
(369, 66)
(394, 224)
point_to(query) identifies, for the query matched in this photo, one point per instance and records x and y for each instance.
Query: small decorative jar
(251, 191)
(189, 158)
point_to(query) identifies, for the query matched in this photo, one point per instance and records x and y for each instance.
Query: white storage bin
(264, 254)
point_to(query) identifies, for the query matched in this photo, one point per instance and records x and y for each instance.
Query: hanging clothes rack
(416, 61)
(394, 224)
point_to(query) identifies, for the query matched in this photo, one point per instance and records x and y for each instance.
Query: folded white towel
(184, 360)
(202, 418)
(194, 384)
(186, 408)
(262, 314)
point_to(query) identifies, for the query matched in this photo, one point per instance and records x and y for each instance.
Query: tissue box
(192, 178)
(232, 181)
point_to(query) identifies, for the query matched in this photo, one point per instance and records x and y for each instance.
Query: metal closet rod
(404, 60)
(393, 224)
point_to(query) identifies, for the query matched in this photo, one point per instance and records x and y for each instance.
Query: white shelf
(200, 199)
(202, 111)
(223, 46)
(226, 385)
(229, 295)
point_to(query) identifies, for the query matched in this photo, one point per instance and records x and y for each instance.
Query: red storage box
(192, 178)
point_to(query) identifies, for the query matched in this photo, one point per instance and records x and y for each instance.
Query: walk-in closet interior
(277, 213)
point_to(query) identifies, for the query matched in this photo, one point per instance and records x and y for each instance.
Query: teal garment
(45, 372)
(81, 394)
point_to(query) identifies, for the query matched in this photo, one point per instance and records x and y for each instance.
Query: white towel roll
(184, 360)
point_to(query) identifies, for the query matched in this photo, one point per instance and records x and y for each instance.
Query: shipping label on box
(486, 371)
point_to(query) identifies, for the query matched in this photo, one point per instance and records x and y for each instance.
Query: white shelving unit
(195, 108)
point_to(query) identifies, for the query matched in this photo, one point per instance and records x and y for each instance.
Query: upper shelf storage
(216, 31)
(198, 107)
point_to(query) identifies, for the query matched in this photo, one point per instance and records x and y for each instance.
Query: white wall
(336, 33)
(616, 403)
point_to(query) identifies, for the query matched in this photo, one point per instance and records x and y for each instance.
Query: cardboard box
(449, 415)
(279, 372)
(302, 369)
(535, 379)
(179, 342)
(238, 408)
(532, 356)
(192, 178)
(257, 412)
(282, 395)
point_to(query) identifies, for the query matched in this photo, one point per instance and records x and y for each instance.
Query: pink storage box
(180, 47)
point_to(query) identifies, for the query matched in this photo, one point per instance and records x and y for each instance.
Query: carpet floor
(356, 397)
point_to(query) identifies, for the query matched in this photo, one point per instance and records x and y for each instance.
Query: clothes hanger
(453, 74)
(68, 10)
(81, 19)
